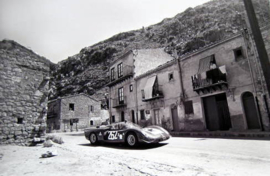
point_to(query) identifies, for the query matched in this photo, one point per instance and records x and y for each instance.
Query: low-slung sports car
(126, 132)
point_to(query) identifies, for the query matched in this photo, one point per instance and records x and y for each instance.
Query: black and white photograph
(134, 87)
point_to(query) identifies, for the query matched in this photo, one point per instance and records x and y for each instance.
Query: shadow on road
(199, 138)
(125, 147)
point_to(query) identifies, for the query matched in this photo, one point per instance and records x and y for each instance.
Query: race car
(126, 132)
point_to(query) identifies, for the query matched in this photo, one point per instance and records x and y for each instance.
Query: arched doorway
(250, 111)
(175, 118)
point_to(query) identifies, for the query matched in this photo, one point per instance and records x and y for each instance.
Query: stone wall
(60, 112)
(24, 82)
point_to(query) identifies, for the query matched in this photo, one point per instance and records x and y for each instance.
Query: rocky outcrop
(188, 31)
(24, 87)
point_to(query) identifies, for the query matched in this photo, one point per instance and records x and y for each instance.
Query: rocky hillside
(187, 31)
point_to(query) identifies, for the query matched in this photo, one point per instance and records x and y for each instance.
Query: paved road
(181, 156)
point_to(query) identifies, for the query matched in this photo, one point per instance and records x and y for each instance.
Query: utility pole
(255, 29)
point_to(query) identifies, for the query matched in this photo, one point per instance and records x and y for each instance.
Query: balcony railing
(210, 80)
(116, 76)
(119, 102)
(157, 93)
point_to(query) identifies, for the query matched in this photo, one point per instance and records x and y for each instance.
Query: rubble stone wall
(24, 86)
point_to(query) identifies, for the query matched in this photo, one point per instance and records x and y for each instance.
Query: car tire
(93, 138)
(131, 140)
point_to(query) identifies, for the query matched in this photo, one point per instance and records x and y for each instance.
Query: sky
(57, 29)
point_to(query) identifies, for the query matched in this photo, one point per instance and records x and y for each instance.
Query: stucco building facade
(122, 86)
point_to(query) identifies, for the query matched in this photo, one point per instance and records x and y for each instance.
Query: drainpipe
(180, 78)
(249, 65)
(136, 102)
(110, 105)
(253, 81)
(259, 43)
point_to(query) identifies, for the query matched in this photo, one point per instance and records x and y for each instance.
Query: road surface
(177, 156)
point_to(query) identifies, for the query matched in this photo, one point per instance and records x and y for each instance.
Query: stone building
(74, 112)
(24, 78)
(216, 88)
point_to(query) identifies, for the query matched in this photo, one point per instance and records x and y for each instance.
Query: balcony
(117, 103)
(210, 80)
(126, 73)
(156, 94)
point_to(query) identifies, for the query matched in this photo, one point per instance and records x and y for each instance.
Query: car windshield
(124, 125)
(132, 125)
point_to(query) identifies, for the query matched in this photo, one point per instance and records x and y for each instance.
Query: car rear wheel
(132, 140)
(93, 138)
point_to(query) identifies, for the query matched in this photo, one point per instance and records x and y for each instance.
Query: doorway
(133, 116)
(122, 116)
(217, 115)
(250, 111)
(175, 118)
(157, 117)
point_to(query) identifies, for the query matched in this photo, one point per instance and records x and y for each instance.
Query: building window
(19, 120)
(170, 76)
(143, 95)
(238, 54)
(113, 119)
(92, 108)
(120, 70)
(91, 122)
(131, 88)
(121, 95)
(142, 114)
(112, 74)
(71, 106)
(188, 107)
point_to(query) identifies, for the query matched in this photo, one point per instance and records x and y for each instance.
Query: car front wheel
(132, 140)
(93, 138)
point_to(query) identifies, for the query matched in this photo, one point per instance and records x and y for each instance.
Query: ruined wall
(24, 85)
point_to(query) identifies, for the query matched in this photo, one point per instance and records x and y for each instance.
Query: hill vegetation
(187, 31)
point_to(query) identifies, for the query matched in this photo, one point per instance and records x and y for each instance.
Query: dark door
(250, 111)
(175, 118)
(211, 113)
(133, 116)
(223, 112)
(217, 114)
(122, 116)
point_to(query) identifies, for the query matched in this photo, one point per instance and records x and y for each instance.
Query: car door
(115, 134)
